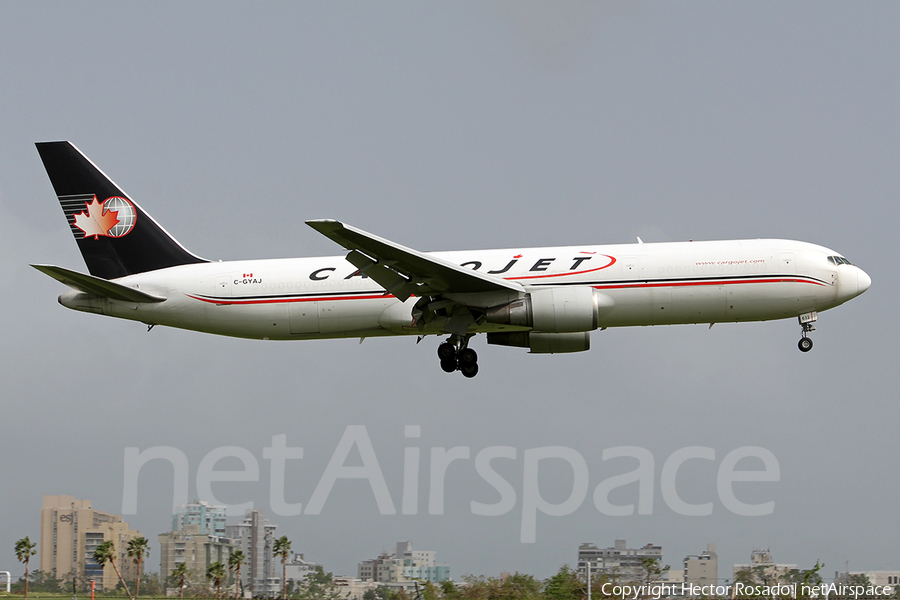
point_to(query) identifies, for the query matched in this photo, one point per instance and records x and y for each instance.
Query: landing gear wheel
(807, 325)
(446, 351)
(469, 369)
(456, 355)
(468, 357)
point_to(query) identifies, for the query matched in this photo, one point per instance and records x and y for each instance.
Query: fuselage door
(304, 317)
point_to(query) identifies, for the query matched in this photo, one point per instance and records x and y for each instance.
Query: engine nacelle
(543, 343)
(555, 310)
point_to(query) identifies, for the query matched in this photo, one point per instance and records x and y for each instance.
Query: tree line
(318, 585)
(566, 584)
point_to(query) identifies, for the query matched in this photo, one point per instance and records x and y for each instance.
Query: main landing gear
(807, 322)
(456, 355)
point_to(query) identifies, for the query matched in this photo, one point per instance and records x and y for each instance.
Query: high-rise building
(255, 538)
(702, 569)
(761, 569)
(298, 568)
(618, 562)
(196, 550)
(71, 531)
(210, 518)
(383, 569)
(405, 564)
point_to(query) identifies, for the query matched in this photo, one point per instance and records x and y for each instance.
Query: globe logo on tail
(114, 217)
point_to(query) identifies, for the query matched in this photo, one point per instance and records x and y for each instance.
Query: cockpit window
(838, 260)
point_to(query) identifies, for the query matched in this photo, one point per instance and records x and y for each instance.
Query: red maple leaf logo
(96, 221)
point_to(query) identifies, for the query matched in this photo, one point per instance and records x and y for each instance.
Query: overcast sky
(452, 126)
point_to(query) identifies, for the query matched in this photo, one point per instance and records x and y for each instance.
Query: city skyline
(197, 526)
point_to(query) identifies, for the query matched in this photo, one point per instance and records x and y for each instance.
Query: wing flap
(383, 274)
(97, 286)
(404, 271)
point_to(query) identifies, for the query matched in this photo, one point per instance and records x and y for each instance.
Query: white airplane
(545, 299)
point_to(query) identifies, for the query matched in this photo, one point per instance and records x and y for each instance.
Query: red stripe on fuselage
(617, 286)
(287, 300)
(690, 283)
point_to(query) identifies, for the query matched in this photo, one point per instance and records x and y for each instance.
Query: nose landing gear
(455, 355)
(807, 322)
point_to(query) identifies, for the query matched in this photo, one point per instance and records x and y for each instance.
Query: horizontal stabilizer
(97, 286)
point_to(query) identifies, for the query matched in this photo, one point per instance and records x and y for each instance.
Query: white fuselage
(649, 284)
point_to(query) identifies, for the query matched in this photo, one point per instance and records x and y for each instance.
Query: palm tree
(106, 553)
(216, 572)
(138, 548)
(234, 564)
(282, 548)
(25, 549)
(179, 574)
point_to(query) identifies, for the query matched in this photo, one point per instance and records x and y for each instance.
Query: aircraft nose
(863, 281)
(852, 281)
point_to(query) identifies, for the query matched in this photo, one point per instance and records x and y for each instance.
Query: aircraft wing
(403, 271)
(97, 286)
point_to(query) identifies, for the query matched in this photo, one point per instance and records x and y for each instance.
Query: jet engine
(543, 343)
(554, 310)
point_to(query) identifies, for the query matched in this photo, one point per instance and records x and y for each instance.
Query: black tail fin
(116, 237)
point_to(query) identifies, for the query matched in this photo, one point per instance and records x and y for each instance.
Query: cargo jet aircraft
(545, 299)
